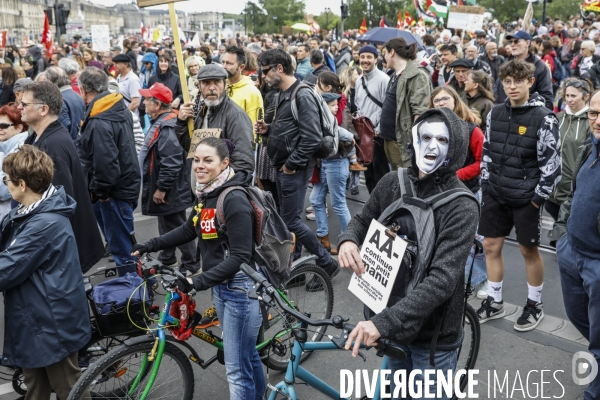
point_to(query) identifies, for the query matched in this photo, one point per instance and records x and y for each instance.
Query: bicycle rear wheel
(314, 300)
(466, 355)
(113, 376)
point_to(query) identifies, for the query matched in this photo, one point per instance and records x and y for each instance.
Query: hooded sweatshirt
(411, 320)
(246, 95)
(574, 131)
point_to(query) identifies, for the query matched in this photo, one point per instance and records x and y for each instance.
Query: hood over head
(458, 145)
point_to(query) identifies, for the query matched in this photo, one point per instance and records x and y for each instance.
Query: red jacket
(342, 102)
(476, 147)
(549, 60)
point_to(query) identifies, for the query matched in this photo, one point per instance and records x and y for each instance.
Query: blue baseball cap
(519, 35)
(330, 96)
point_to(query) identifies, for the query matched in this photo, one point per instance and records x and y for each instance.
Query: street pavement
(527, 365)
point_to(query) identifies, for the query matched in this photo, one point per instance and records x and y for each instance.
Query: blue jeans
(292, 192)
(333, 176)
(580, 280)
(479, 267)
(240, 319)
(115, 218)
(418, 358)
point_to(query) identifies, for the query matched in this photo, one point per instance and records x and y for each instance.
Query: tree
(327, 20)
(280, 13)
(359, 9)
(515, 9)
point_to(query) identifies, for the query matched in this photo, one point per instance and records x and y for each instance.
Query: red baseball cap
(159, 91)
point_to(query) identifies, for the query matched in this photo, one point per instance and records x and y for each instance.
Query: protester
(73, 107)
(317, 62)
(165, 76)
(9, 77)
(13, 132)
(129, 83)
(42, 281)
(240, 316)
(303, 66)
(411, 319)
(292, 147)
(193, 65)
(479, 93)
(493, 59)
(18, 88)
(107, 152)
(71, 68)
(166, 174)
(507, 203)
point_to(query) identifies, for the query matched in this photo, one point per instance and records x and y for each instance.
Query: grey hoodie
(412, 320)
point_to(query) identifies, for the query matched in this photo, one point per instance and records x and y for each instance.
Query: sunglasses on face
(265, 71)
(5, 180)
(6, 126)
(514, 41)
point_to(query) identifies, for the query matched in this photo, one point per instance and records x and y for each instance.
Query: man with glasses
(520, 168)
(542, 83)
(107, 60)
(460, 71)
(293, 143)
(578, 248)
(40, 107)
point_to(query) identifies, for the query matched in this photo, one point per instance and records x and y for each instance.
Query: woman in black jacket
(9, 77)
(223, 251)
(165, 76)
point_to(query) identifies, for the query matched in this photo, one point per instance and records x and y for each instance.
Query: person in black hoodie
(411, 321)
(40, 107)
(165, 75)
(223, 251)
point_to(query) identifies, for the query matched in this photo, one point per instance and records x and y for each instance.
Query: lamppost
(327, 10)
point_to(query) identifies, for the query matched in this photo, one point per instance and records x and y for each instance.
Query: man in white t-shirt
(129, 83)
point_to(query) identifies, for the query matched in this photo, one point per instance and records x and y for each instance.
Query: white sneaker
(312, 217)
(482, 293)
(309, 209)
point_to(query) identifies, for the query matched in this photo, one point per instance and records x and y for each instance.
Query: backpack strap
(406, 186)
(293, 99)
(221, 200)
(441, 199)
(369, 95)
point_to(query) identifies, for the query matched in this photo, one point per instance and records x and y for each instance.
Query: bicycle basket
(109, 304)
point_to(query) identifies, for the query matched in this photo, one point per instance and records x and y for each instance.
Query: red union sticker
(207, 224)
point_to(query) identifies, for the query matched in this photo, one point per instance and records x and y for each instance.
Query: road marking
(6, 388)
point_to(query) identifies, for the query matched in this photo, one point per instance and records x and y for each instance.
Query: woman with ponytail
(479, 91)
(223, 252)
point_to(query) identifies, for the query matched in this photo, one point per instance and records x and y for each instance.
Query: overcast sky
(235, 6)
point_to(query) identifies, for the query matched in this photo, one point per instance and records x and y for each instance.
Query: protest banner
(469, 18)
(381, 255)
(100, 38)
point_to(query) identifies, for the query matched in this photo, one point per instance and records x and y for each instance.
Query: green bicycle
(155, 365)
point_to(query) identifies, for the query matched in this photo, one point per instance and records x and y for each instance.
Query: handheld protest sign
(180, 64)
(382, 254)
(200, 134)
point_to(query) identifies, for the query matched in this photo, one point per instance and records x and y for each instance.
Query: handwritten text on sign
(200, 134)
(381, 256)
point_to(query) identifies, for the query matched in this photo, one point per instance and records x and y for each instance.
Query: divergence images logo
(584, 368)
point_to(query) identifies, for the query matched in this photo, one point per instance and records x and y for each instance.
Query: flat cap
(18, 86)
(212, 72)
(462, 62)
(121, 58)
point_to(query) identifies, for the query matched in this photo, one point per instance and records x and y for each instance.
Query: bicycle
(155, 365)
(99, 344)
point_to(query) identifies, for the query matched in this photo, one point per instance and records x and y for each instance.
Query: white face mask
(431, 146)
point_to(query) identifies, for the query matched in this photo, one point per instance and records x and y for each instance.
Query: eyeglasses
(28, 104)
(441, 100)
(5, 180)
(592, 115)
(514, 41)
(461, 72)
(577, 84)
(6, 126)
(266, 70)
(516, 82)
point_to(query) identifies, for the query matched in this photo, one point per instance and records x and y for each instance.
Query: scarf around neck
(202, 189)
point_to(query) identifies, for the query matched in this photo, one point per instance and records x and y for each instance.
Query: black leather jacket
(292, 142)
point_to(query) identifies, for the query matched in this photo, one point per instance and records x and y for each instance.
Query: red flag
(47, 36)
(363, 27)
(382, 23)
(408, 20)
(3, 37)
(399, 23)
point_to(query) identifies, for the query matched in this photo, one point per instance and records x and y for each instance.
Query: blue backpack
(559, 71)
(329, 61)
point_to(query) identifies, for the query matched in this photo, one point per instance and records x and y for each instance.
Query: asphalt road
(515, 359)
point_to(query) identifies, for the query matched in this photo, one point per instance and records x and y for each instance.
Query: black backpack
(274, 243)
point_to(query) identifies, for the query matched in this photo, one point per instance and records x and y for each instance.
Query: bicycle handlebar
(384, 346)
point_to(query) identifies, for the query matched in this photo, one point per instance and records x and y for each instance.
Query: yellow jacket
(247, 96)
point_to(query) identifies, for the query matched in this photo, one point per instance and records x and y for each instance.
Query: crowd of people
(507, 115)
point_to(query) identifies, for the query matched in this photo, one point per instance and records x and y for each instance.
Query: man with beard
(493, 59)
(371, 88)
(240, 88)
(219, 112)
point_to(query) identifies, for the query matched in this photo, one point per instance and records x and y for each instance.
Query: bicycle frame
(295, 370)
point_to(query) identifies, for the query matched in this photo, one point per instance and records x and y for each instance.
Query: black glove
(184, 285)
(140, 248)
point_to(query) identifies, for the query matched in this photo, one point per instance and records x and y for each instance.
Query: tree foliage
(359, 9)
(327, 20)
(278, 13)
(514, 9)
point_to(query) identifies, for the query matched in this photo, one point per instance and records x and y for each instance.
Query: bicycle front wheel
(466, 355)
(309, 291)
(124, 372)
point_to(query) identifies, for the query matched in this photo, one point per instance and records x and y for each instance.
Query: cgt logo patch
(207, 224)
(522, 130)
